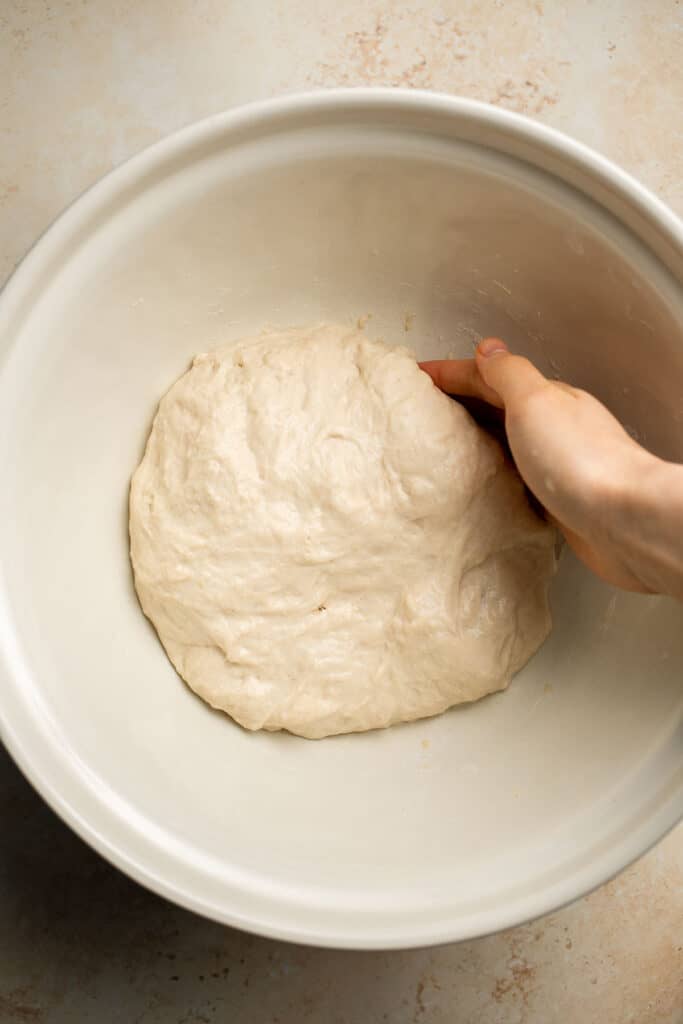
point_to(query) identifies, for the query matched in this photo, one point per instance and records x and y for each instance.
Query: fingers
(494, 376)
(512, 378)
(460, 377)
(454, 376)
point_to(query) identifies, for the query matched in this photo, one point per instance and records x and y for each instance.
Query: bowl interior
(426, 832)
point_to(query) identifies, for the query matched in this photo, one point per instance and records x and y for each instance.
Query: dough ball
(326, 543)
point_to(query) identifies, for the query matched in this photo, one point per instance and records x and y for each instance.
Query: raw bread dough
(326, 543)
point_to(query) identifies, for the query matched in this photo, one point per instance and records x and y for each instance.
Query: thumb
(513, 378)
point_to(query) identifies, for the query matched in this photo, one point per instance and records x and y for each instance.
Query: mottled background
(83, 85)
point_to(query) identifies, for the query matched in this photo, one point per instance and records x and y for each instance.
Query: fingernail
(491, 347)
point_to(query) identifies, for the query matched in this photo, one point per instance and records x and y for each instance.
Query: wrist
(647, 520)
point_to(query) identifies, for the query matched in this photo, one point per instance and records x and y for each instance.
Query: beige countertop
(86, 83)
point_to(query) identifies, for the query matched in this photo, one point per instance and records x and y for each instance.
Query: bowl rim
(27, 743)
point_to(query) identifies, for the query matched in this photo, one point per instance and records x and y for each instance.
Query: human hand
(574, 456)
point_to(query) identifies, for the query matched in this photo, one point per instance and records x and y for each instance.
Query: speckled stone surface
(83, 85)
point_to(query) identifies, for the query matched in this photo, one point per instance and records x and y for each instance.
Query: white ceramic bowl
(439, 215)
